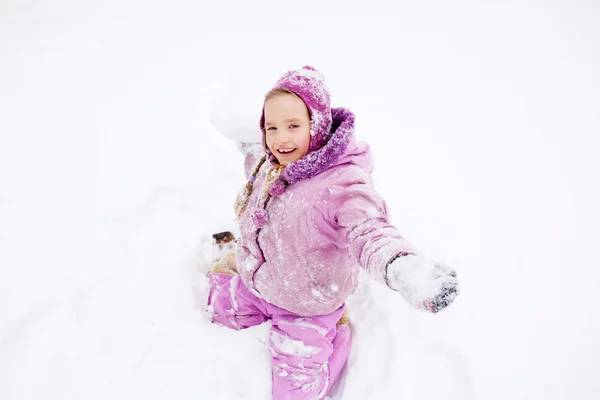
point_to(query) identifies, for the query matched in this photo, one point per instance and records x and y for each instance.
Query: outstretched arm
(360, 214)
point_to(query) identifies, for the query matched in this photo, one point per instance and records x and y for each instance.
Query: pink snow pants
(307, 353)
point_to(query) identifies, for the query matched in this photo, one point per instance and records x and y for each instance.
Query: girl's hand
(424, 283)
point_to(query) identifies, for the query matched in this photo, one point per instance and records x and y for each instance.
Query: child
(309, 217)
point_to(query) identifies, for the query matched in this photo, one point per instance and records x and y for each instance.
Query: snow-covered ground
(485, 127)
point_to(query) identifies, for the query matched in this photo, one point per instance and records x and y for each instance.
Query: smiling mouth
(285, 152)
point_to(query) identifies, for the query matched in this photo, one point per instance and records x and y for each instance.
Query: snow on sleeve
(358, 210)
(252, 154)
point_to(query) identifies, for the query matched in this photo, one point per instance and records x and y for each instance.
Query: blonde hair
(242, 200)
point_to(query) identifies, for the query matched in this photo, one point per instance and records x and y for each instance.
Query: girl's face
(287, 127)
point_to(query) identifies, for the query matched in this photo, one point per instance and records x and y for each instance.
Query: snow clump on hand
(423, 283)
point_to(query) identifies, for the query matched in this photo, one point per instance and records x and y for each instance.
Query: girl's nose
(282, 137)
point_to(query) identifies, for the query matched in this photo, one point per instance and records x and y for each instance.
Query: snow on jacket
(302, 249)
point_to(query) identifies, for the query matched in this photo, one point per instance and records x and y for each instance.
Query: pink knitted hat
(309, 85)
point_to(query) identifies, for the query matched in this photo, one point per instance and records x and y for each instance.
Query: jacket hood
(308, 84)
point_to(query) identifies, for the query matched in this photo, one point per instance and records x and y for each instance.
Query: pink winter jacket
(304, 256)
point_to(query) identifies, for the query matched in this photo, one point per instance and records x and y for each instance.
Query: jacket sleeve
(252, 153)
(360, 216)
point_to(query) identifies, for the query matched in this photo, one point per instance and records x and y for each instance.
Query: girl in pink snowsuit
(309, 218)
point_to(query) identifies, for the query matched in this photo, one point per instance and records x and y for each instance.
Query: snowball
(236, 106)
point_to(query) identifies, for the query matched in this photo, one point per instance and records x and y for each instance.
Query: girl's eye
(293, 126)
(271, 128)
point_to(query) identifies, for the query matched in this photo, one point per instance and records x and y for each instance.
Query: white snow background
(484, 119)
